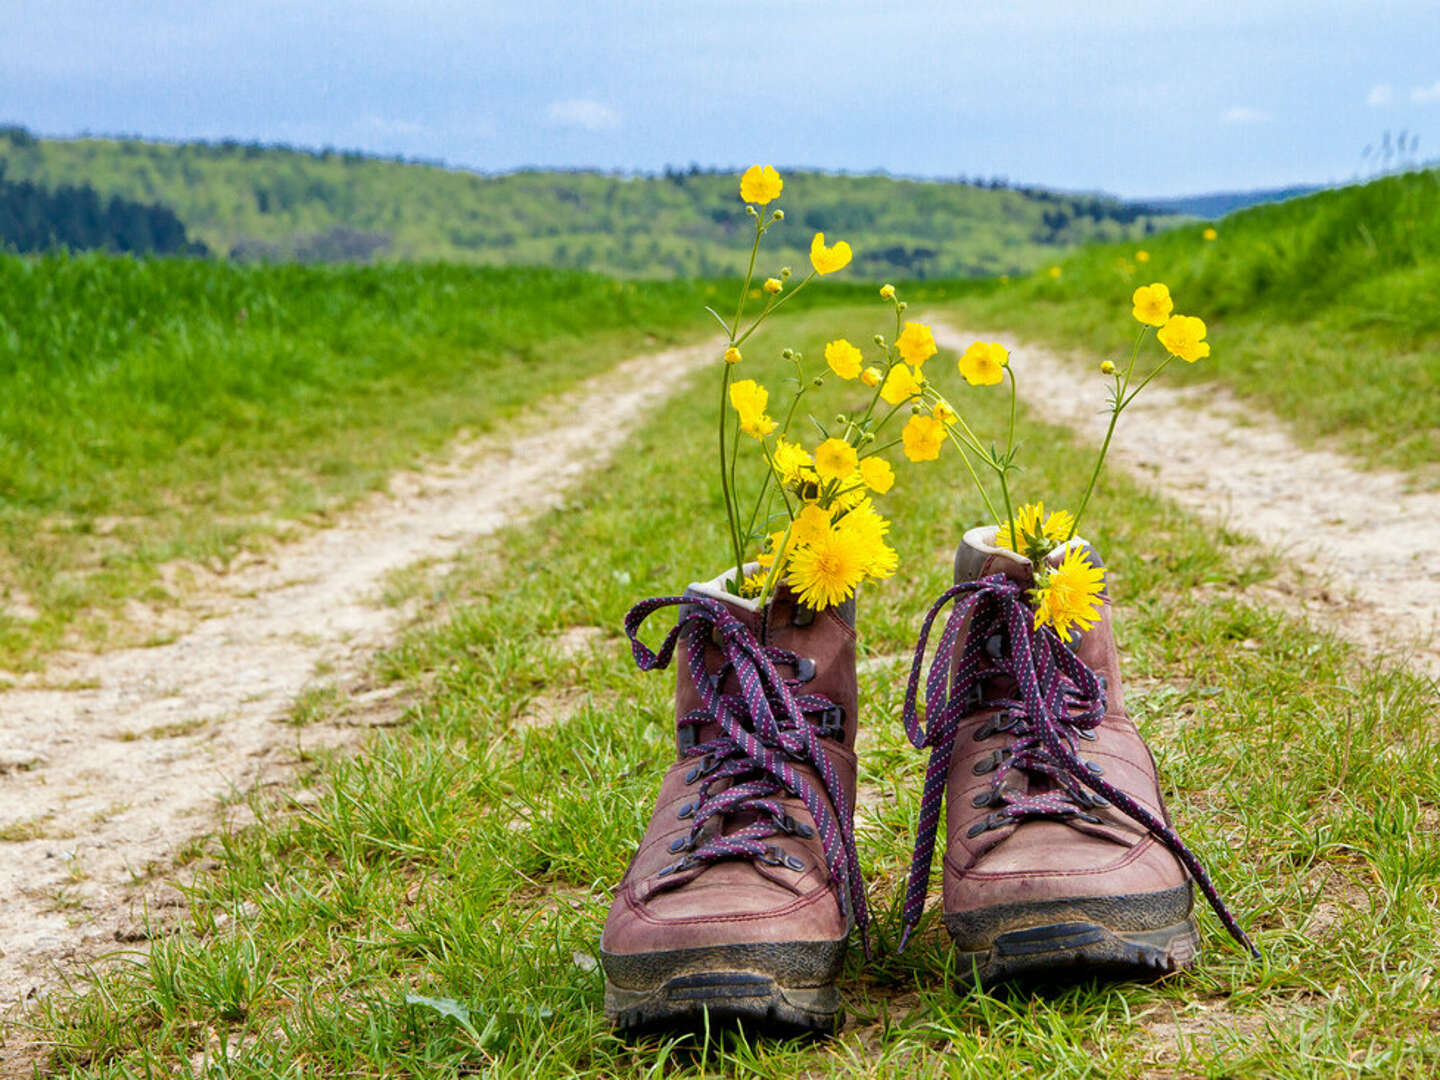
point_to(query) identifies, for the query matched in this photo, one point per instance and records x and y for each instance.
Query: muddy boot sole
(1142, 936)
(782, 989)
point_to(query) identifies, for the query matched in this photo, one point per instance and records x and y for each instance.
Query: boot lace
(765, 732)
(1059, 700)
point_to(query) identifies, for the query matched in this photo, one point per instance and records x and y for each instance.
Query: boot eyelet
(984, 731)
(692, 775)
(1094, 768)
(793, 863)
(805, 832)
(804, 669)
(685, 811)
(679, 844)
(982, 800)
(976, 829)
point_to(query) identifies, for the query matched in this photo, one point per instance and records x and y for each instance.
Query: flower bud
(818, 380)
(784, 273)
(868, 437)
(773, 285)
(787, 354)
(839, 418)
(880, 340)
(870, 376)
(902, 306)
(1107, 368)
(887, 292)
(752, 211)
(915, 409)
(732, 355)
(778, 215)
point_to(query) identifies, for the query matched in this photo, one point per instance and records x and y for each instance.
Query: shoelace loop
(1059, 699)
(765, 733)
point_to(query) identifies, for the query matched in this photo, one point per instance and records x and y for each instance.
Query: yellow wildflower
(868, 529)
(1142, 255)
(752, 584)
(1069, 594)
(827, 260)
(1152, 304)
(1054, 271)
(851, 491)
(844, 359)
(1032, 521)
(878, 475)
(900, 385)
(732, 355)
(788, 460)
(887, 292)
(944, 413)
(923, 437)
(773, 285)
(1210, 234)
(916, 344)
(760, 184)
(835, 459)
(982, 363)
(1184, 335)
(825, 572)
(810, 524)
(1107, 367)
(870, 376)
(749, 399)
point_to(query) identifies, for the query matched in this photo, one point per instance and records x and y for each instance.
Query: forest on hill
(272, 202)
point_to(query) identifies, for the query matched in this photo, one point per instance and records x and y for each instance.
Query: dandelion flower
(923, 436)
(844, 359)
(879, 477)
(1152, 304)
(827, 260)
(749, 399)
(760, 184)
(916, 344)
(983, 362)
(900, 385)
(1184, 336)
(788, 460)
(732, 355)
(870, 376)
(865, 525)
(835, 459)
(1032, 521)
(825, 572)
(1069, 594)
(810, 524)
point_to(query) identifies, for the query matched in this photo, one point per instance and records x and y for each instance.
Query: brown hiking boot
(1060, 861)
(743, 892)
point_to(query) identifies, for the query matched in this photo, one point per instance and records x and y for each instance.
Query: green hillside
(255, 201)
(1324, 309)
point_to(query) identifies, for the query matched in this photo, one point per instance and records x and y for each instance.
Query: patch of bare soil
(1371, 543)
(110, 764)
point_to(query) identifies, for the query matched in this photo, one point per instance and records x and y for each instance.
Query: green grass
(288, 203)
(1324, 309)
(468, 856)
(172, 409)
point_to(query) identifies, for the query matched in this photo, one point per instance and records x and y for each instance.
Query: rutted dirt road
(113, 772)
(1373, 543)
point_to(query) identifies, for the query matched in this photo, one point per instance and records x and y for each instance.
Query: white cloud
(1426, 95)
(584, 114)
(1381, 94)
(1244, 114)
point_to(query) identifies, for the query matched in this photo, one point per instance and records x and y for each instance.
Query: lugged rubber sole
(1142, 936)
(783, 989)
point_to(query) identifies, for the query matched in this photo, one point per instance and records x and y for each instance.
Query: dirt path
(106, 778)
(1369, 547)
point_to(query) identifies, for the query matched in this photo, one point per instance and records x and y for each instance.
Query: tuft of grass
(1321, 309)
(433, 908)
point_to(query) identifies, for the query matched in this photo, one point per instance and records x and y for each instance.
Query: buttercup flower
(827, 260)
(878, 475)
(982, 363)
(1054, 271)
(844, 359)
(773, 285)
(923, 436)
(900, 385)
(749, 399)
(944, 413)
(1032, 521)
(732, 355)
(887, 292)
(835, 459)
(1152, 304)
(870, 376)
(811, 524)
(1142, 255)
(1107, 367)
(825, 572)
(1184, 335)
(760, 184)
(1210, 234)
(916, 343)
(788, 460)
(1069, 595)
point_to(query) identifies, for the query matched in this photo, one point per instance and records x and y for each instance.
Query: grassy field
(1325, 310)
(284, 203)
(178, 409)
(467, 857)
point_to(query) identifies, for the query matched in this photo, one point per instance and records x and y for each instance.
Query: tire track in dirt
(103, 784)
(1372, 542)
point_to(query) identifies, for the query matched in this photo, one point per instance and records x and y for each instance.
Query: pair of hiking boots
(1059, 857)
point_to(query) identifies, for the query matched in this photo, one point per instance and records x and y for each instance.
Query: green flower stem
(965, 457)
(770, 578)
(773, 307)
(1121, 385)
(1145, 381)
(731, 510)
(803, 388)
(1010, 455)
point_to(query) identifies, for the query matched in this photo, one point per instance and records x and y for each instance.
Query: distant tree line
(33, 218)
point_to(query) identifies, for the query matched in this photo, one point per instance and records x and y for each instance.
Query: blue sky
(1129, 98)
